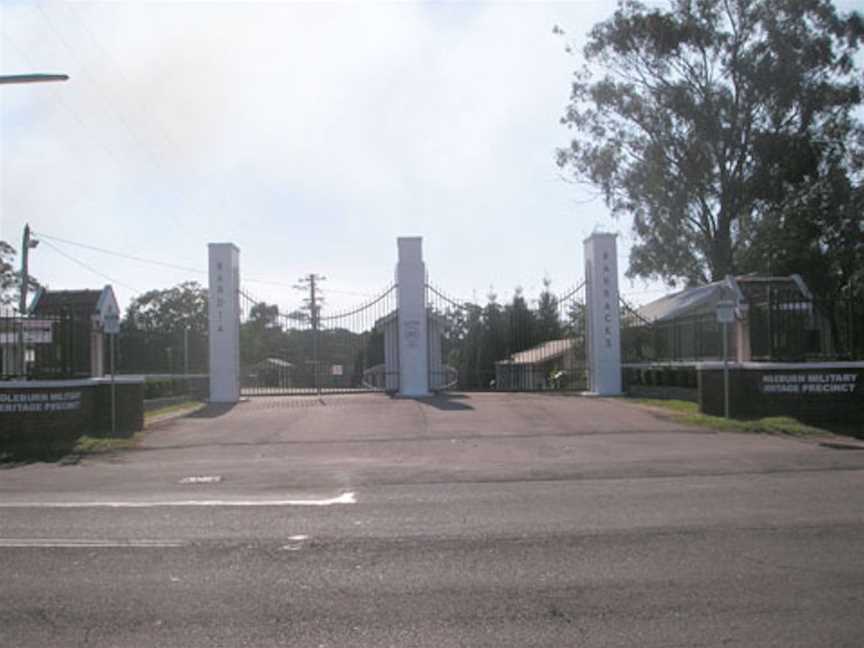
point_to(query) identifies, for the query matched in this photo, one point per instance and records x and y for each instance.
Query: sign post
(111, 327)
(725, 316)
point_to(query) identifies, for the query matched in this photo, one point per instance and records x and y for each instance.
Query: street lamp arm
(32, 78)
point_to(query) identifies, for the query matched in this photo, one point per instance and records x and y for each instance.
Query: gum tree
(700, 120)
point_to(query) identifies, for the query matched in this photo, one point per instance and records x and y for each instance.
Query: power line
(122, 255)
(119, 71)
(156, 158)
(121, 119)
(59, 99)
(175, 266)
(135, 291)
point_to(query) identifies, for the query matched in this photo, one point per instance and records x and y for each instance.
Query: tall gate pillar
(604, 325)
(224, 322)
(413, 329)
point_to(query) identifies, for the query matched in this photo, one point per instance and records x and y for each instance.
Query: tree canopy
(482, 335)
(10, 279)
(170, 310)
(718, 124)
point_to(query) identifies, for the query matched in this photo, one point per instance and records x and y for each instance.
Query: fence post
(413, 325)
(224, 322)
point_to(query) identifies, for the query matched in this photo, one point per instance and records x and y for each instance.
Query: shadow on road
(448, 402)
(212, 410)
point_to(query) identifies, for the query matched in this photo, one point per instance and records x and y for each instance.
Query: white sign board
(37, 331)
(111, 322)
(336, 370)
(108, 312)
(725, 312)
(32, 331)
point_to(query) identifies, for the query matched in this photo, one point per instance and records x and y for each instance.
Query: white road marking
(54, 543)
(298, 537)
(344, 498)
(202, 479)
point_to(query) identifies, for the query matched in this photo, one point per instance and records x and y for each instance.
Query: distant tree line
(165, 331)
(482, 335)
(475, 337)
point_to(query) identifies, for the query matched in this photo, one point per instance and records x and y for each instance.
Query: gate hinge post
(413, 325)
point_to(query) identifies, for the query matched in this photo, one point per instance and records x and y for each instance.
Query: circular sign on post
(111, 323)
(725, 312)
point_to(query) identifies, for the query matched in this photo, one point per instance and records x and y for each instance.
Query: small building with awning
(77, 334)
(548, 365)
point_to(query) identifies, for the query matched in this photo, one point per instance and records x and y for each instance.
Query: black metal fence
(45, 348)
(309, 351)
(683, 339)
(507, 347)
(183, 351)
(71, 346)
(788, 327)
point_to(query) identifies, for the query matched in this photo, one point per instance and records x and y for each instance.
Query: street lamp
(28, 243)
(32, 78)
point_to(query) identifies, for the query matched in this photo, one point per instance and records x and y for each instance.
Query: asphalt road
(487, 520)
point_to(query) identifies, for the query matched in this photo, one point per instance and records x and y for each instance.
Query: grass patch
(687, 413)
(100, 445)
(185, 407)
(91, 445)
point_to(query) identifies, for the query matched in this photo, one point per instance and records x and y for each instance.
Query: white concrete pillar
(604, 324)
(413, 345)
(437, 370)
(97, 353)
(224, 325)
(391, 353)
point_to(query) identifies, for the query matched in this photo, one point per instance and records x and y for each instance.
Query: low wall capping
(780, 366)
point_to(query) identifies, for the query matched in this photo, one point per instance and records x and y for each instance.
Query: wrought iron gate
(507, 347)
(308, 351)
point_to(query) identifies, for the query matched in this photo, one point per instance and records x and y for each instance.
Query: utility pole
(26, 243)
(313, 304)
(25, 248)
(186, 350)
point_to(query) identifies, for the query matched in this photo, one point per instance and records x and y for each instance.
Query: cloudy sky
(311, 135)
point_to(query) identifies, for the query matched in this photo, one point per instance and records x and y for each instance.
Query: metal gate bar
(305, 352)
(517, 346)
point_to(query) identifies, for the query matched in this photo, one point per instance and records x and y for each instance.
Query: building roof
(692, 301)
(541, 353)
(100, 304)
(273, 363)
(756, 289)
(69, 300)
(702, 300)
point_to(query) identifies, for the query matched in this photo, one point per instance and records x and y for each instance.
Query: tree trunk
(721, 251)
